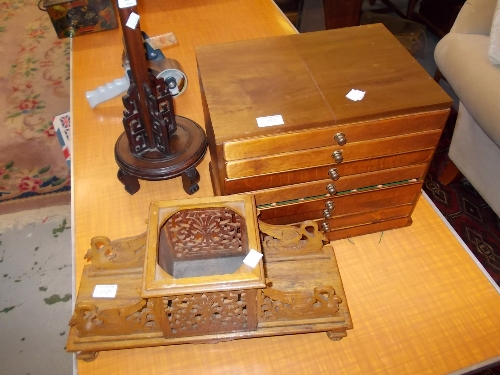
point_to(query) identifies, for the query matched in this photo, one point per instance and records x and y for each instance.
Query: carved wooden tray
(184, 280)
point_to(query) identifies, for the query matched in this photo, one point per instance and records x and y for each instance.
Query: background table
(419, 303)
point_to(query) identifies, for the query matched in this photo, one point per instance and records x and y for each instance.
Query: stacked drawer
(353, 179)
(355, 167)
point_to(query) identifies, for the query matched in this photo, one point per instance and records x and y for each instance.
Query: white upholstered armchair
(469, 58)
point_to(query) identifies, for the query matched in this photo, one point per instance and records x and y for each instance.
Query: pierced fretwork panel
(134, 129)
(278, 305)
(206, 233)
(91, 320)
(209, 313)
(161, 111)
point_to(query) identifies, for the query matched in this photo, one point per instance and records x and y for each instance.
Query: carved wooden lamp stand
(156, 144)
(186, 280)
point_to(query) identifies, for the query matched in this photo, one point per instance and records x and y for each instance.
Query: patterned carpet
(34, 76)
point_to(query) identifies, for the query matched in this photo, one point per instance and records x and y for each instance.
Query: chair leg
(438, 75)
(411, 9)
(449, 173)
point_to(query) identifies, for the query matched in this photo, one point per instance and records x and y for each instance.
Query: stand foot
(190, 179)
(336, 336)
(87, 356)
(131, 183)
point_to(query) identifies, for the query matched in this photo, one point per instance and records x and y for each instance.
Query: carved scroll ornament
(206, 232)
(119, 254)
(288, 240)
(90, 320)
(276, 305)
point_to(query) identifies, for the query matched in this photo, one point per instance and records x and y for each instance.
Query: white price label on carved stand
(252, 259)
(133, 20)
(105, 291)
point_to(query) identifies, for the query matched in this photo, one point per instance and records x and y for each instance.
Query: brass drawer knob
(330, 205)
(334, 174)
(331, 189)
(340, 138)
(325, 227)
(337, 156)
(327, 214)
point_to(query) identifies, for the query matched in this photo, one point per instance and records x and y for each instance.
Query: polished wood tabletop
(418, 302)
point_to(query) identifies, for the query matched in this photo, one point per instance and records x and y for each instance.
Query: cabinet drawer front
(259, 182)
(369, 217)
(344, 204)
(368, 228)
(343, 185)
(323, 156)
(355, 219)
(323, 137)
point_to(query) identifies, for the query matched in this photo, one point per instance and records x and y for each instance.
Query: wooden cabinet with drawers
(354, 166)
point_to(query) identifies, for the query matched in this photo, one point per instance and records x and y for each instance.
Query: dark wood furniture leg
(391, 8)
(438, 75)
(341, 13)
(449, 173)
(411, 9)
(131, 183)
(190, 179)
(438, 20)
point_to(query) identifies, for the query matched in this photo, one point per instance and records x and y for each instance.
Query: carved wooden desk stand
(184, 281)
(156, 144)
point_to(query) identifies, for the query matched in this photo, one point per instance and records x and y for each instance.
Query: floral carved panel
(206, 233)
(209, 313)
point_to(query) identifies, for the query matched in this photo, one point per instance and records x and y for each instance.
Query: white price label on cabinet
(355, 95)
(126, 3)
(105, 291)
(269, 121)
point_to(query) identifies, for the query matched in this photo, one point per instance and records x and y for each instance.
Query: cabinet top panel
(305, 79)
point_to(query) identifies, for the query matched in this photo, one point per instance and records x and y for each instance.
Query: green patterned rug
(35, 293)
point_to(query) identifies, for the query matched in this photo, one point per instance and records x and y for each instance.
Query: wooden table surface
(419, 303)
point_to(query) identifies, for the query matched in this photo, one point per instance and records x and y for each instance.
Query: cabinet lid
(304, 78)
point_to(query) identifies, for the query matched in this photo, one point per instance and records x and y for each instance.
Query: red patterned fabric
(35, 84)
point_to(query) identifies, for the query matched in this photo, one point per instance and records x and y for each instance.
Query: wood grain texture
(100, 203)
(364, 227)
(322, 137)
(259, 182)
(246, 80)
(349, 204)
(323, 155)
(240, 185)
(158, 282)
(305, 79)
(344, 184)
(419, 304)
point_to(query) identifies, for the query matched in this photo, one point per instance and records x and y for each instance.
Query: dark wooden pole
(138, 65)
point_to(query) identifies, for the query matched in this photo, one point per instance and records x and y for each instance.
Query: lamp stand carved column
(156, 144)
